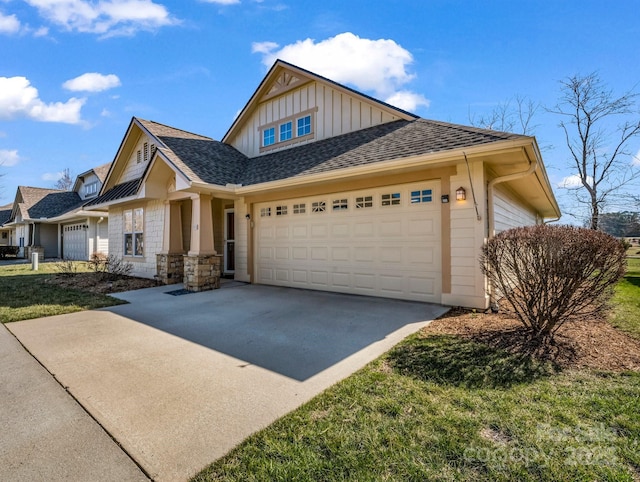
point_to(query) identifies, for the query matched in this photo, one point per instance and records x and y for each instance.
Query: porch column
(170, 262)
(201, 263)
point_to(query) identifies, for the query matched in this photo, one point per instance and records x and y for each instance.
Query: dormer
(89, 183)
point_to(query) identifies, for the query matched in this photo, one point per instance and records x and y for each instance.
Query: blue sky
(74, 72)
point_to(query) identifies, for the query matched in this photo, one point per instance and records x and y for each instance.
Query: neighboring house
(54, 223)
(318, 186)
(6, 238)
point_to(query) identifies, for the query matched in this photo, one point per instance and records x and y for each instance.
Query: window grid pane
(340, 204)
(392, 199)
(265, 212)
(285, 131)
(318, 207)
(299, 208)
(281, 210)
(423, 196)
(269, 136)
(304, 126)
(364, 202)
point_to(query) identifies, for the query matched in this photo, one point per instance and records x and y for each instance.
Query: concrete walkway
(46, 435)
(180, 380)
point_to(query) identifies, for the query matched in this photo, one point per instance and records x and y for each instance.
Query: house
(54, 223)
(5, 232)
(318, 186)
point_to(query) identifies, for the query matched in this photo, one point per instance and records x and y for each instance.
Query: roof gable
(40, 203)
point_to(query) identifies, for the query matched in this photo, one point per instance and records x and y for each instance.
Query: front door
(229, 241)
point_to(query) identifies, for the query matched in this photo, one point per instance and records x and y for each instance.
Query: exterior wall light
(461, 194)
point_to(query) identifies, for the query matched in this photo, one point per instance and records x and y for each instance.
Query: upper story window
(304, 126)
(91, 189)
(286, 131)
(269, 136)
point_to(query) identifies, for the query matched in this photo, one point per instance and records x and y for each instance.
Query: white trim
(227, 241)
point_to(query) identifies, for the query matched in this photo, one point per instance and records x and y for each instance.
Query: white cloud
(18, 98)
(9, 24)
(51, 176)
(635, 161)
(92, 82)
(105, 17)
(408, 101)
(9, 157)
(378, 66)
(572, 182)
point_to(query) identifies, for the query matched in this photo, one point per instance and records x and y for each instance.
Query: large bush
(549, 275)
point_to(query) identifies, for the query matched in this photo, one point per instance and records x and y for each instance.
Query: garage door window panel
(421, 196)
(391, 199)
(363, 202)
(318, 207)
(281, 210)
(340, 204)
(299, 208)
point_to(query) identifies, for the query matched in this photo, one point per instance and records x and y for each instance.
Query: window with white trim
(364, 202)
(286, 131)
(265, 212)
(318, 207)
(391, 199)
(281, 210)
(340, 204)
(299, 208)
(133, 232)
(421, 196)
(269, 136)
(304, 126)
(91, 189)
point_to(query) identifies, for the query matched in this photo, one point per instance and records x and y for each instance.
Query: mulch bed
(594, 344)
(94, 283)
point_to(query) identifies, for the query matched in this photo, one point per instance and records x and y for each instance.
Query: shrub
(98, 263)
(67, 267)
(109, 267)
(549, 275)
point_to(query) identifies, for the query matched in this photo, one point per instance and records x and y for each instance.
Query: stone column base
(202, 273)
(170, 268)
(29, 250)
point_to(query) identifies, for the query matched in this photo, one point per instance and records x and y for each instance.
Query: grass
(445, 408)
(25, 294)
(627, 300)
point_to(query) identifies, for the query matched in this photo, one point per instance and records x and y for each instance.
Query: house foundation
(170, 268)
(202, 272)
(29, 250)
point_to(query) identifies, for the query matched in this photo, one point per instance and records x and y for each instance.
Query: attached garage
(74, 241)
(378, 242)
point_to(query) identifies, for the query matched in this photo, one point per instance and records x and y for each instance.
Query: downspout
(533, 165)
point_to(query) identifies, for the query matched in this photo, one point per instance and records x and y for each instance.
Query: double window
(134, 232)
(287, 130)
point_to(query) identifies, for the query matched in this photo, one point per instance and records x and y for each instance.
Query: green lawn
(24, 294)
(444, 408)
(627, 300)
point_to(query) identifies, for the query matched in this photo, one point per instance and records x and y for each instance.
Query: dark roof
(202, 159)
(393, 140)
(199, 158)
(5, 213)
(40, 203)
(118, 191)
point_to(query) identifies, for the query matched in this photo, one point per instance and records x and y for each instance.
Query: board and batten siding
(509, 212)
(143, 266)
(134, 169)
(333, 113)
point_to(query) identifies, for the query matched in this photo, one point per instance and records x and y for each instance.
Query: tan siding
(135, 169)
(337, 113)
(509, 212)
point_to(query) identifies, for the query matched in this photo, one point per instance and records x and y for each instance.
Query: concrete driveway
(180, 380)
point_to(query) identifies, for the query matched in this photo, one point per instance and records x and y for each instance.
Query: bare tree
(514, 115)
(65, 183)
(598, 146)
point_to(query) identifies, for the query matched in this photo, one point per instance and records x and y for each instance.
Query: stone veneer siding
(170, 268)
(202, 273)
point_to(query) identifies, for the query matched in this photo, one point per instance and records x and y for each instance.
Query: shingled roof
(5, 213)
(393, 140)
(38, 203)
(200, 158)
(102, 171)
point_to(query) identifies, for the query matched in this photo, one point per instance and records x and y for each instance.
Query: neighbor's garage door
(74, 241)
(379, 242)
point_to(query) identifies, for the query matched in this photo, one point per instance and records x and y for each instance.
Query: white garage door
(379, 242)
(74, 241)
